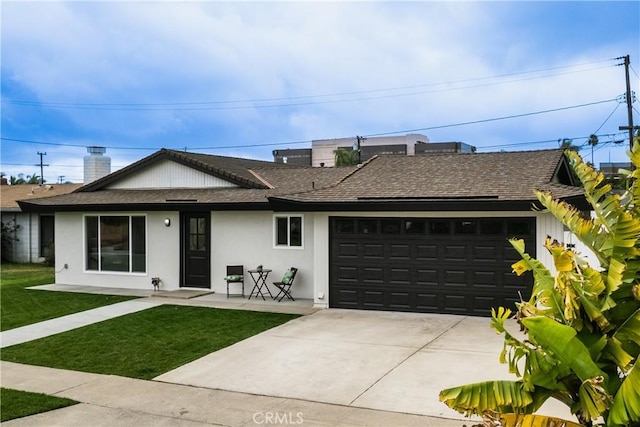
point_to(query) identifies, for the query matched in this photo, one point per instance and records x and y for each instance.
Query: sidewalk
(72, 321)
(109, 400)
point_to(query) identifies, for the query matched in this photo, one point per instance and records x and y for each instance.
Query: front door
(196, 251)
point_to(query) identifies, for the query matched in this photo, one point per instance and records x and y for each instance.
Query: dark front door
(196, 251)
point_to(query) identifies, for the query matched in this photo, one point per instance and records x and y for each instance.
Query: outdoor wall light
(167, 222)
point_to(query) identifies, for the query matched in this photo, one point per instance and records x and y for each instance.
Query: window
(288, 230)
(415, 226)
(46, 235)
(116, 243)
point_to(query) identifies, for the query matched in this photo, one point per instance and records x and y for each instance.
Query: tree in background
(344, 157)
(9, 235)
(22, 179)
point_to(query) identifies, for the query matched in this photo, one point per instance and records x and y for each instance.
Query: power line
(308, 141)
(206, 105)
(513, 116)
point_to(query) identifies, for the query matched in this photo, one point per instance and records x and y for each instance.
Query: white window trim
(117, 273)
(275, 230)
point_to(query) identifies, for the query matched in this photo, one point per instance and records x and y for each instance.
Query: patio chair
(235, 274)
(285, 284)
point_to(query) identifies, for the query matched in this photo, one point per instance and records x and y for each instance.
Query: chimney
(96, 164)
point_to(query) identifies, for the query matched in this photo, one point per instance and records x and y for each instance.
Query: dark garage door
(444, 265)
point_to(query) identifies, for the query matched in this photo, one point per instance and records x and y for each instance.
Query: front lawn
(145, 344)
(18, 404)
(20, 306)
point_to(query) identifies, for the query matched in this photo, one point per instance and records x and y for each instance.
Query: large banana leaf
(561, 340)
(626, 403)
(532, 420)
(494, 396)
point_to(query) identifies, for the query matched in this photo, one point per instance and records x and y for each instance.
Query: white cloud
(161, 52)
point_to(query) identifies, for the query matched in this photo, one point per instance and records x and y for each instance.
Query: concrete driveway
(379, 360)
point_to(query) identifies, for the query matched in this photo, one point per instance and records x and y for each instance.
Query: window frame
(130, 243)
(276, 230)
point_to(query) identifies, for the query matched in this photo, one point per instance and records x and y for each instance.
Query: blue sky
(245, 78)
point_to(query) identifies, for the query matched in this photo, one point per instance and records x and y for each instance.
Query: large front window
(116, 243)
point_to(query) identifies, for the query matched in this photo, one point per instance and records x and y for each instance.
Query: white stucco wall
(27, 247)
(247, 238)
(236, 238)
(163, 253)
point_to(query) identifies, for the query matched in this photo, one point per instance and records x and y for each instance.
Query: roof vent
(96, 164)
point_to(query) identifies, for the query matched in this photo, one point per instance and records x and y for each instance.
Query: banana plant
(582, 323)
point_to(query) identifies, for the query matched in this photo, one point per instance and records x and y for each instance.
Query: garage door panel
(373, 275)
(427, 302)
(346, 274)
(455, 253)
(426, 252)
(373, 250)
(400, 252)
(347, 250)
(346, 297)
(455, 278)
(400, 276)
(427, 278)
(373, 299)
(443, 265)
(400, 300)
(490, 253)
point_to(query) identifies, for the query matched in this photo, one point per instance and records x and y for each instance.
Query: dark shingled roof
(10, 194)
(463, 178)
(506, 176)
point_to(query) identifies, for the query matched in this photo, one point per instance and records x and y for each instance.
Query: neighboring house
(321, 153)
(32, 233)
(402, 233)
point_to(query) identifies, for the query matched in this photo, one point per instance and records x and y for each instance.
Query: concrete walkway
(73, 321)
(332, 367)
(109, 400)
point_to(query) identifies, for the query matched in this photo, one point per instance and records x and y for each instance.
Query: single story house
(31, 235)
(404, 233)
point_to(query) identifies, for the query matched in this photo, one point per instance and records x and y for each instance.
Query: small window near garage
(288, 232)
(390, 226)
(415, 226)
(367, 226)
(344, 226)
(439, 227)
(518, 228)
(465, 227)
(492, 227)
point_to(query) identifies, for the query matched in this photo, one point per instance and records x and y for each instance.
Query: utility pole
(42, 165)
(630, 98)
(359, 141)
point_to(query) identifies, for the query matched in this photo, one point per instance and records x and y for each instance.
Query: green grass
(18, 404)
(20, 306)
(145, 344)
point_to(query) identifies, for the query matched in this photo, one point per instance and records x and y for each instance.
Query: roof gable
(168, 174)
(230, 169)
